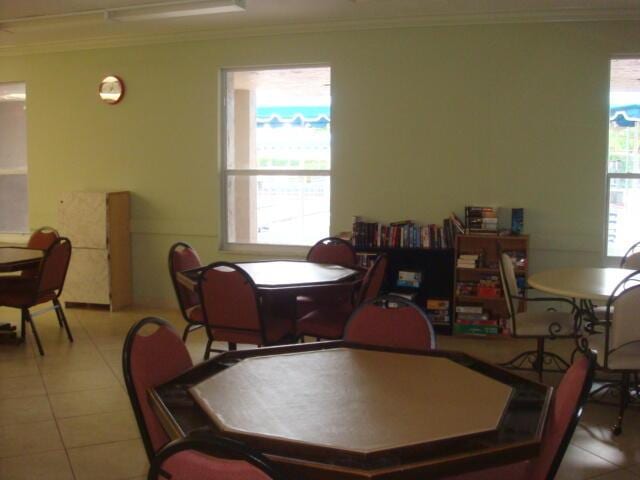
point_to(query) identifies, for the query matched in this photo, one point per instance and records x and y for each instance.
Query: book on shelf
(402, 234)
(408, 278)
(481, 219)
(469, 308)
(411, 296)
(472, 317)
(468, 260)
(474, 329)
(438, 311)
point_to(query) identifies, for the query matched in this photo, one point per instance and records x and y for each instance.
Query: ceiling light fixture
(175, 10)
(149, 11)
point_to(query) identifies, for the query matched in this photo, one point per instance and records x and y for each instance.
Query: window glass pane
(13, 135)
(278, 119)
(13, 199)
(277, 209)
(624, 116)
(624, 211)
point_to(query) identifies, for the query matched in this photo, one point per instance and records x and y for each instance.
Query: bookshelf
(479, 306)
(435, 269)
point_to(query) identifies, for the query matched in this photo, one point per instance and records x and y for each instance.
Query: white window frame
(15, 237)
(225, 173)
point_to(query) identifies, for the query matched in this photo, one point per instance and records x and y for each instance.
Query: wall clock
(111, 89)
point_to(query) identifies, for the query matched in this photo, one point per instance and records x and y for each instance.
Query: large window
(276, 161)
(13, 159)
(623, 165)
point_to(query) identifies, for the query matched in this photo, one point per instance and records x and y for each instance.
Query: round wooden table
(582, 283)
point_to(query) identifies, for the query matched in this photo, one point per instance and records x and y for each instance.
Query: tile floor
(66, 415)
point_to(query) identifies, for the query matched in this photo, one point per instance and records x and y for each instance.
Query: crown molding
(555, 16)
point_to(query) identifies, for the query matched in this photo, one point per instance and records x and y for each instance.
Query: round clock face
(111, 89)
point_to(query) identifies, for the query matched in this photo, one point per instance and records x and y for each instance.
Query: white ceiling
(262, 14)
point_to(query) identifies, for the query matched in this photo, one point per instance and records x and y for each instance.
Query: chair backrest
(631, 258)
(229, 299)
(42, 238)
(391, 321)
(631, 261)
(183, 256)
(372, 281)
(202, 455)
(564, 413)
(149, 359)
(333, 250)
(622, 326)
(54, 266)
(509, 286)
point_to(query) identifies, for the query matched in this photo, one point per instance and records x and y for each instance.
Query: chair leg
(207, 349)
(187, 329)
(624, 402)
(232, 346)
(62, 318)
(24, 313)
(539, 363)
(33, 329)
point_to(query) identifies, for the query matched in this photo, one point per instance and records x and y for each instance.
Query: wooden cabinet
(434, 267)
(480, 306)
(98, 225)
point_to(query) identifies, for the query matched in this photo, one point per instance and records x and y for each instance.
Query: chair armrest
(207, 442)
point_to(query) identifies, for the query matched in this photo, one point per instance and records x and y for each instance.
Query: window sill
(265, 250)
(14, 238)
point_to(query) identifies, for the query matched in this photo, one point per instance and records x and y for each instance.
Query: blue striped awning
(625, 115)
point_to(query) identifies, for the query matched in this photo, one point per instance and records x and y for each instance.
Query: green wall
(425, 120)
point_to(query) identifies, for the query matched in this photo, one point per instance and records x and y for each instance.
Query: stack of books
(468, 260)
(438, 311)
(481, 219)
(472, 319)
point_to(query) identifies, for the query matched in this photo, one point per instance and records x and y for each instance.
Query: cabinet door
(83, 218)
(88, 277)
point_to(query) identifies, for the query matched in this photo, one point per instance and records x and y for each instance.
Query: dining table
(343, 411)
(582, 283)
(14, 259)
(280, 282)
(282, 275)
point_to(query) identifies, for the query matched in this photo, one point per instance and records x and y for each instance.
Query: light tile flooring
(66, 415)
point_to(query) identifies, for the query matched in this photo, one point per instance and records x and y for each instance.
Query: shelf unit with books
(479, 305)
(424, 275)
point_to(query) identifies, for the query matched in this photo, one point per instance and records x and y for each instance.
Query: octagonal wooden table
(337, 410)
(13, 259)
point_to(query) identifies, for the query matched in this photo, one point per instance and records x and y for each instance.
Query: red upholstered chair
(232, 309)
(330, 250)
(153, 354)
(204, 457)
(42, 238)
(328, 321)
(333, 250)
(391, 321)
(183, 256)
(562, 419)
(46, 285)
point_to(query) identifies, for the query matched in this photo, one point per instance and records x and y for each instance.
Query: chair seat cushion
(325, 322)
(514, 471)
(189, 465)
(544, 324)
(624, 358)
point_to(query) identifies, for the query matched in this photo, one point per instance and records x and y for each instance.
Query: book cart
(479, 306)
